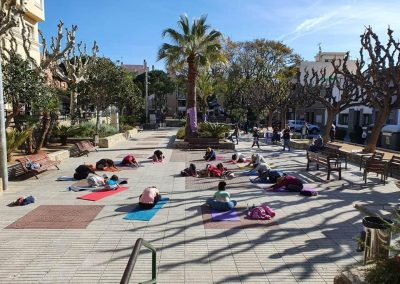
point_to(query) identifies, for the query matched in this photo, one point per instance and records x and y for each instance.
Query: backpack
(274, 175)
(258, 213)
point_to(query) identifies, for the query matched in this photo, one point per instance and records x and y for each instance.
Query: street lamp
(3, 145)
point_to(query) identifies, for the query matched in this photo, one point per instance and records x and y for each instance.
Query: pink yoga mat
(230, 215)
(94, 196)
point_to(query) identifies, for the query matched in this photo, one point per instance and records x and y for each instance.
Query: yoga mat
(65, 178)
(138, 155)
(146, 214)
(250, 173)
(230, 215)
(97, 195)
(218, 158)
(245, 167)
(258, 181)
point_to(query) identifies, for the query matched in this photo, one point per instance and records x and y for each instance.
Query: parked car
(296, 125)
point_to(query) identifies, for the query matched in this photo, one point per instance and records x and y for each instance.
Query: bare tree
(45, 68)
(72, 69)
(378, 77)
(321, 87)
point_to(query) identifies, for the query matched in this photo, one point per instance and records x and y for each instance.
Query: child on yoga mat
(111, 183)
(149, 198)
(158, 156)
(222, 199)
(106, 165)
(210, 155)
(130, 161)
(290, 183)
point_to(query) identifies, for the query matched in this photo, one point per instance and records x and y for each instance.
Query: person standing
(256, 136)
(235, 134)
(304, 130)
(246, 127)
(332, 133)
(286, 138)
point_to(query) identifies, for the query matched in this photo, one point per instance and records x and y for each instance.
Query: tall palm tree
(191, 47)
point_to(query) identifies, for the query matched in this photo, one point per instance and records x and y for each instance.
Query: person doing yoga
(157, 156)
(130, 161)
(106, 165)
(222, 199)
(83, 171)
(290, 183)
(149, 198)
(210, 155)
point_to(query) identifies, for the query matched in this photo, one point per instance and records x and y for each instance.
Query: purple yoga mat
(230, 215)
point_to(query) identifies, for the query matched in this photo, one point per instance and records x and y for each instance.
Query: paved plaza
(311, 240)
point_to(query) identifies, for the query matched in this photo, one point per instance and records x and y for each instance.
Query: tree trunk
(269, 119)
(329, 121)
(45, 128)
(381, 119)
(191, 99)
(15, 111)
(97, 121)
(29, 144)
(73, 105)
(53, 121)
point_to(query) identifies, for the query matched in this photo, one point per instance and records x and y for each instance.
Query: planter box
(181, 144)
(131, 133)
(200, 140)
(112, 140)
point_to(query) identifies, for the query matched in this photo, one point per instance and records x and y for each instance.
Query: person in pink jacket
(149, 198)
(290, 183)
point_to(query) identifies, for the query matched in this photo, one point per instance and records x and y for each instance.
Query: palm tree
(204, 90)
(192, 47)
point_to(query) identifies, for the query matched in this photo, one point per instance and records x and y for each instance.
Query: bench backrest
(377, 156)
(37, 158)
(84, 145)
(375, 165)
(395, 160)
(332, 146)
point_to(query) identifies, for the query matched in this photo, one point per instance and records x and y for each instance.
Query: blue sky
(130, 30)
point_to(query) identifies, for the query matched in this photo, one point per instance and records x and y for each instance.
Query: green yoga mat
(146, 214)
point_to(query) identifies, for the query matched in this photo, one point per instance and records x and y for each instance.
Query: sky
(130, 30)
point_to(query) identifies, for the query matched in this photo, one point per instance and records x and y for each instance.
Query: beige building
(33, 16)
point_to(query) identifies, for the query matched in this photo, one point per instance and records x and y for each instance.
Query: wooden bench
(375, 166)
(394, 163)
(85, 147)
(43, 159)
(335, 150)
(330, 162)
(374, 156)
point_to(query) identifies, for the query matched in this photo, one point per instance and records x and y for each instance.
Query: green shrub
(181, 133)
(384, 272)
(63, 132)
(14, 139)
(125, 127)
(213, 130)
(88, 129)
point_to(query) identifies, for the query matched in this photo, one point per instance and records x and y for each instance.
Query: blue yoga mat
(146, 214)
(250, 173)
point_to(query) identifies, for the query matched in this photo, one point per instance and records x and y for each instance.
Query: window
(367, 119)
(39, 3)
(181, 103)
(343, 118)
(31, 31)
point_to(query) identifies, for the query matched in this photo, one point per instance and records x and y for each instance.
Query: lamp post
(3, 145)
(146, 91)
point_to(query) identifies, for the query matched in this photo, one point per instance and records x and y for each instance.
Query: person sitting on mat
(158, 156)
(130, 161)
(83, 171)
(210, 155)
(106, 165)
(222, 199)
(238, 158)
(218, 171)
(149, 198)
(290, 183)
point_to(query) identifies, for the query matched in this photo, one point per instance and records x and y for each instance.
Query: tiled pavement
(312, 241)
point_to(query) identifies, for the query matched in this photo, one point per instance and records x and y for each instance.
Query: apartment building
(33, 16)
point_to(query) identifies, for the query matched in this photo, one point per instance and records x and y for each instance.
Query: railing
(132, 260)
